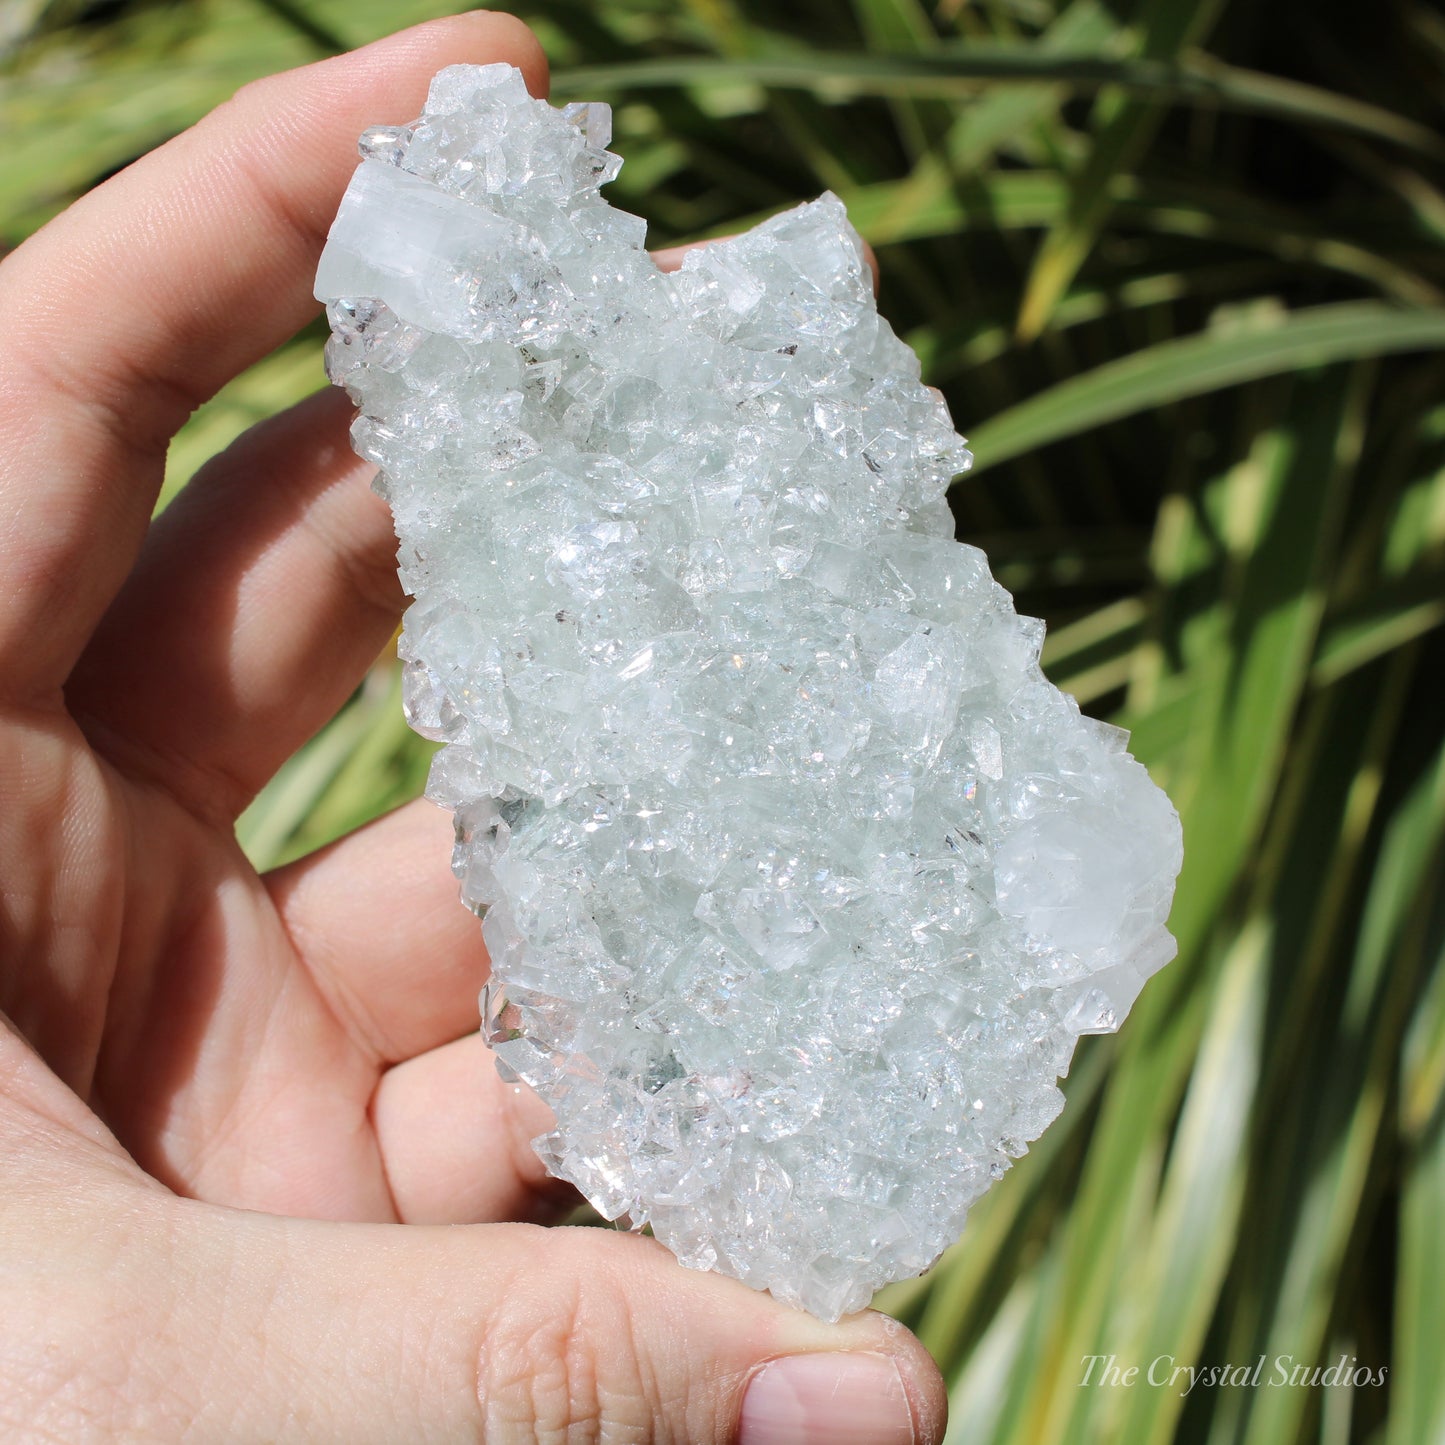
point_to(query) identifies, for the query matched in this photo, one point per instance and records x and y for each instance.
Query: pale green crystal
(800, 880)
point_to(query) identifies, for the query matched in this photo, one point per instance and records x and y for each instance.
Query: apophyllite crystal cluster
(799, 880)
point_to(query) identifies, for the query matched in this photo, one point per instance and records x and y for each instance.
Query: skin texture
(223, 1095)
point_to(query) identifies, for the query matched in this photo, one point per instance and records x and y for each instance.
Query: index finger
(151, 292)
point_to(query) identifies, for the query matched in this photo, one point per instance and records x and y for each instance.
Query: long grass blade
(1197, 80)
(1206, 362)
(1126, 124)
(1419, 1384)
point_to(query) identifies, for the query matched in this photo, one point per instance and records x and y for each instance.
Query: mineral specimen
(800, 881)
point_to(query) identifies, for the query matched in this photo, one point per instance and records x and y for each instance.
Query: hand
(223, 1095)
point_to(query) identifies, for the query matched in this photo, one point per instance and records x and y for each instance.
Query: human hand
(222, 1094)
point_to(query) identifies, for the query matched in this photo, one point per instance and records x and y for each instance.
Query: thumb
(318, 1332)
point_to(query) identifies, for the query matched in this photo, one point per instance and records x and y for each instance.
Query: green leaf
(1204, 362)
(1183, 1263)
(1196, 80)
(1335, 1175)
(888, 213)
(1246, 700)
(904, 26)
(1391, 617)
(1127, 125)
(1419, 1385)
(270, 386)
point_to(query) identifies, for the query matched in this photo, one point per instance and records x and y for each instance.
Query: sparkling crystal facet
(799, 880)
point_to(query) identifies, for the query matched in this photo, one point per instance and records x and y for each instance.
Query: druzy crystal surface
(799, 881)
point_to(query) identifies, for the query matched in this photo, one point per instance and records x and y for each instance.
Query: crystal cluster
(799, 880)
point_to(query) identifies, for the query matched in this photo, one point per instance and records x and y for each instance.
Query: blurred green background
(1178, 265)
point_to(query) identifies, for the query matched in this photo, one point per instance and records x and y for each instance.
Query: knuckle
(370, 577)
(248, 98)
(560, 1362)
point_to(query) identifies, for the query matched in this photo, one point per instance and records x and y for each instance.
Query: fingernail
(840, 1399)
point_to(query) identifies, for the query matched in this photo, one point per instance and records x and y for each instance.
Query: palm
(234, 1031)
(250, 1085)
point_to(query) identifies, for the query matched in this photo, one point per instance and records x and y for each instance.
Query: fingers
(262, 595)
(376, 920)
(296, 1084)
(456, 1141)
(509, 1333)
(144, 297)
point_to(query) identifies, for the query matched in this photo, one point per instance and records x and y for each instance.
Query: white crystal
(799, 879)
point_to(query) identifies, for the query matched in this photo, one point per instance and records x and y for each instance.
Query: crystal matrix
(799, 880)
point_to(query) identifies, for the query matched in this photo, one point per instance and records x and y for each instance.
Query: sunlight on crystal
(799, 880)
